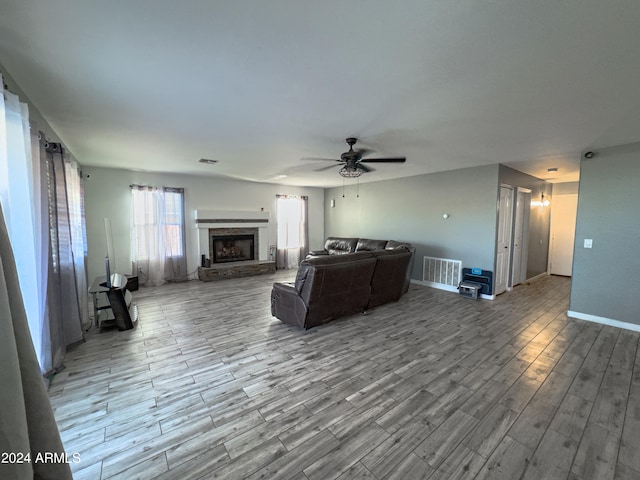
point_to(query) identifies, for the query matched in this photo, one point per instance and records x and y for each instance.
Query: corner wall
(411, 209)
(603, 285)
(107, 195)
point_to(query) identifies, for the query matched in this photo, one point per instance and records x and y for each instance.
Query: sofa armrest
(287, 305)
(286, 288)
(316, 253)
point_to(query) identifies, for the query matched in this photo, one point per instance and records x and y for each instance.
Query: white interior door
(521, 237)
(564, 209)
(503, 250)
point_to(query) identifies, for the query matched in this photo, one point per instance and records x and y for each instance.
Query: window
(290, 215)
(158, 222)
(293, 231)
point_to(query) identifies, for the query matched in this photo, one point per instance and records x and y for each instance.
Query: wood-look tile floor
(435, 386)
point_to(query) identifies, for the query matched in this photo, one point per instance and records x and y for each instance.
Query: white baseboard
(537, 277)
(439, 286)
(447, 288)
(603, 320)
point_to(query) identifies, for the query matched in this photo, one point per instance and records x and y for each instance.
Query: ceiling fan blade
(385, 160)
(363, 152)
(320, 159)
(322, 169)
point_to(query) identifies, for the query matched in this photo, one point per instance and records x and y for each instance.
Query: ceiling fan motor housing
(351, 155)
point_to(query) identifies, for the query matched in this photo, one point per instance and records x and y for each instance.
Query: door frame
(504, 230)
(522, 211)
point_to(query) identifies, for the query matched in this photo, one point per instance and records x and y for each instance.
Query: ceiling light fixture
(350, 172)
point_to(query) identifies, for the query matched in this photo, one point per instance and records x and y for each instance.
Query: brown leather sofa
(331, 286)
(345, 245)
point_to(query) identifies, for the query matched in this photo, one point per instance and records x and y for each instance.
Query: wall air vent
(207, 161)
(442, 273)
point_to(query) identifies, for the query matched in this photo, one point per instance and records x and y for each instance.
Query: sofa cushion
(394, 245)
(338, 245)
(370, 245)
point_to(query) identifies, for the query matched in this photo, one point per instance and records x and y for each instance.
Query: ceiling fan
(352, 162)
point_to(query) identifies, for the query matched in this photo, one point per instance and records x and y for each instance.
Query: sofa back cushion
(366, 244)
(339, 245)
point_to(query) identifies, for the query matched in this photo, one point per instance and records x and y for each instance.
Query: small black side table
(125, 313)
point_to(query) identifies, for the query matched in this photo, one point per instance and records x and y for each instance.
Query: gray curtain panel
(26, 419)
(67, 290)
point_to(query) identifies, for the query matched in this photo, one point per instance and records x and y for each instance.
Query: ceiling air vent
(208, 161)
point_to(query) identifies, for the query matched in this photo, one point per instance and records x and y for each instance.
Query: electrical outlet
(588, 243)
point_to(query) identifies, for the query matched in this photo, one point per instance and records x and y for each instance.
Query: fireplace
(219, 223)
(232, 248)
(232, 245)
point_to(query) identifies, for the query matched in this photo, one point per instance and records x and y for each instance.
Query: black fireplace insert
(232, 248)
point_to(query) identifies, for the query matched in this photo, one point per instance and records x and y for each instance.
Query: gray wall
(608, 212)
(539, 218)
(107, 195)
(410, 209)
(35, 118)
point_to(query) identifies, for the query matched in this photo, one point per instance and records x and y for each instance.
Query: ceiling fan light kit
(350, 172)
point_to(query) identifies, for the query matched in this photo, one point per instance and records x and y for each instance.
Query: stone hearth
(222, 271)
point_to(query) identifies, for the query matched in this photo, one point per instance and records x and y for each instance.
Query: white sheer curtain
(20, 196)
(293, 232)
(41, 194)
(157, 236)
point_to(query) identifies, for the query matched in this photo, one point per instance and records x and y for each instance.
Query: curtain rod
(166, 189)
(281, 195)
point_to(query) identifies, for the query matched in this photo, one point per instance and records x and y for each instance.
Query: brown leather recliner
(389, 276)
(326, 287)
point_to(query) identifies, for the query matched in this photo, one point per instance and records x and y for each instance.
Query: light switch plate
(588, 243)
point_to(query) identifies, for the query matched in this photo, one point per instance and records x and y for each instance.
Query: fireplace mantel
(206, 219)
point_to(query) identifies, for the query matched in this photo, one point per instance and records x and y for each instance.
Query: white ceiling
(158, 84)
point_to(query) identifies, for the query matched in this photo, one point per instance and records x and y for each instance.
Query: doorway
(563, 229)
